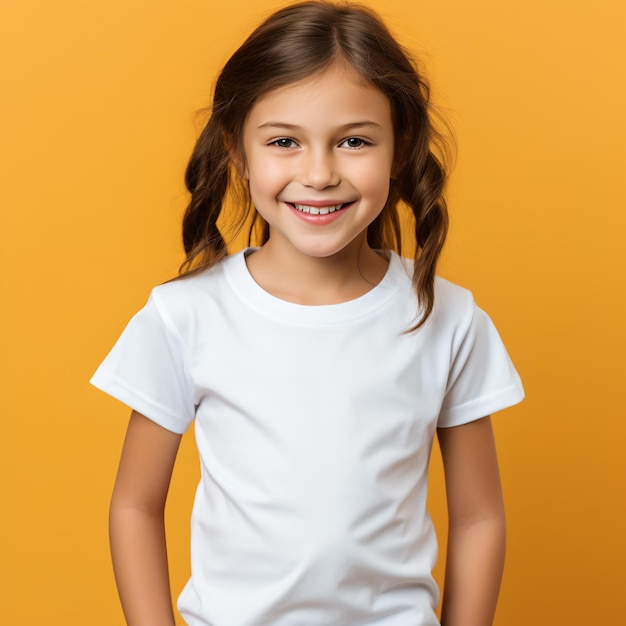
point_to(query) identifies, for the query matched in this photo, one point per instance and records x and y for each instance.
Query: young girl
(317, 367)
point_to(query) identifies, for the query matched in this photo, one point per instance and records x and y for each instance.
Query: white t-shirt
(314, 427)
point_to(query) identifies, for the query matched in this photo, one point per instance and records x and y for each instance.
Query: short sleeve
(482, 378)
(146, 370)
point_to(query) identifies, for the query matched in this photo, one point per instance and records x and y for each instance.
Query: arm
(476, 532)
(136, 524)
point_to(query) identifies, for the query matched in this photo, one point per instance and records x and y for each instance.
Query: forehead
(337, 90)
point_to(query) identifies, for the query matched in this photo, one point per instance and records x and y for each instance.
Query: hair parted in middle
(294, 44)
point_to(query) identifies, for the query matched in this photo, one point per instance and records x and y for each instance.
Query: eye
(354, 143)
(283, 142)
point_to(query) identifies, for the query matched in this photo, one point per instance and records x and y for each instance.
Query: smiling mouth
(318, 210)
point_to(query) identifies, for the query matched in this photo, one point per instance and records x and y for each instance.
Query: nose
(319, 170)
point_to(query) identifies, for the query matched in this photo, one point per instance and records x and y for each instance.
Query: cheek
(266, 173)
(374, 182)
(266, 181)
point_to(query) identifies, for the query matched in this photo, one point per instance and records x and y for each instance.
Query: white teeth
(313, 210)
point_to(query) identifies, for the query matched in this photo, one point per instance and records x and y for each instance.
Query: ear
(236, 158)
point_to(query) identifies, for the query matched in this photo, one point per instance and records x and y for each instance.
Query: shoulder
(450, 297)
(186, 291)
(187, 285)
(453, 303)
(184, 304)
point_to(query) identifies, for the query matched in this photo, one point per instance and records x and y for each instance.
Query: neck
(296, 277)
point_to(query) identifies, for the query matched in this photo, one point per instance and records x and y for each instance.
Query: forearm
(473, 572)
(140, 562)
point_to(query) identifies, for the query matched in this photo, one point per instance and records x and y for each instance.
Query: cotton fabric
(314, 427)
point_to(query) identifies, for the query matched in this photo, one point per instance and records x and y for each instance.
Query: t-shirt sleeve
(146, 370)
(482, 378)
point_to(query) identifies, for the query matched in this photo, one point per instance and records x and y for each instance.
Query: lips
(318, 210)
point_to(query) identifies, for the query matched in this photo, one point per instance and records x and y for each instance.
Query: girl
(319, 366)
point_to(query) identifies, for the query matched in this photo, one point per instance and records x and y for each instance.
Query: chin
(321, 250)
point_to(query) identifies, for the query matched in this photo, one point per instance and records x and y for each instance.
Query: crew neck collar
(254, 296)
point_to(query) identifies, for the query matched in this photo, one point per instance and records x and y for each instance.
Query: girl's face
(318, 158)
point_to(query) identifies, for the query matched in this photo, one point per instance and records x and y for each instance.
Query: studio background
(96, 122)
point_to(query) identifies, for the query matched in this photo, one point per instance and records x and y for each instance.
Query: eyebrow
(291, 127)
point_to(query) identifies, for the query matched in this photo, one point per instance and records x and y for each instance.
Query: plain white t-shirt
(314, 427)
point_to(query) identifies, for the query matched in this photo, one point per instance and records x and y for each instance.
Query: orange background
(97, 125)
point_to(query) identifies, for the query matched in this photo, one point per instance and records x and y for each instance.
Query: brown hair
(291, 45)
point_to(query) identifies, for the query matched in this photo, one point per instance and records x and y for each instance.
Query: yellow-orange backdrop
(96, 128)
